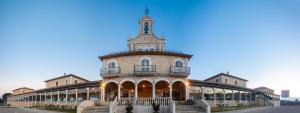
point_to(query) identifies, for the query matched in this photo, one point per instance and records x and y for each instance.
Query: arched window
(145, 65)
(145, 62)
(112, 65)
(178, 64)
(56, 83)
(146, 27)
(75, 81)
(235, 82)
(112, 68)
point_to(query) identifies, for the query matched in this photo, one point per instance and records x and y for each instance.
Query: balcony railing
(179, 70)
(144, 69)
(110, 71)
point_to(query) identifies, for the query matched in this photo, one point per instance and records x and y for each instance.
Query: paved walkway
(281, 109)
(23, 110)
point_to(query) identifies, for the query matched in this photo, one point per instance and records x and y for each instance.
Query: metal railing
(179, 70)
(110, 71)
(144, 69)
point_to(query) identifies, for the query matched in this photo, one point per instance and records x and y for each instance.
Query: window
(226, 81)
(235, 82)
(178, 64)
(111, 68)
(145, 65)
(66, 82)
(145, 62)
(56, 83)
(112, 65)
(75, 81)
(217, 80)
(146, 27)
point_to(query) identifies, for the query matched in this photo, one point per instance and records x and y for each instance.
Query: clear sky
(258, 40)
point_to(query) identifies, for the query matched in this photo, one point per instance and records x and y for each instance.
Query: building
(228, 79)
(64, 80)
(22, 90)
(144, 74)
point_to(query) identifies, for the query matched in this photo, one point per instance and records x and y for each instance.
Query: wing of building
(144, 74)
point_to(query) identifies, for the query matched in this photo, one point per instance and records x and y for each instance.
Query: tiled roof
(67, 76)
(223, 74)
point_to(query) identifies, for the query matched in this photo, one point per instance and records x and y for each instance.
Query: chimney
(64, 73)
(227, 72)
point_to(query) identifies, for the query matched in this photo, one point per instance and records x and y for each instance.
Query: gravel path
(23, 110)
(281, 109)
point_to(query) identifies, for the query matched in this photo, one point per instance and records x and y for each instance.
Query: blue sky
(254, 39)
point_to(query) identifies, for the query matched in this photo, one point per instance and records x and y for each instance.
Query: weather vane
(146, 10)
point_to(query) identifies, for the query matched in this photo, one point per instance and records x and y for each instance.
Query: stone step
(97, 109)
(189, 109)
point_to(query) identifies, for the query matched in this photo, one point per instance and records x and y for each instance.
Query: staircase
(97, 109)
(189, 109)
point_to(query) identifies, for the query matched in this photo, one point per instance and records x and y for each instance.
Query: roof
(262, 87)
(23, 88)
(66, 76)
(69, 86)
(223, 74)
(132, 53)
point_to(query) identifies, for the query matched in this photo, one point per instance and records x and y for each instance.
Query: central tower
(146, 39)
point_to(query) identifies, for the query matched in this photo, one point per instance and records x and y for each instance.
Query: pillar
(153, 90)
(240, 96)
(224, 96)
(35, 99)
(187, 93)
(87, 93)
(45, 97)
(66, 96)
(136, 91)
(51, 97)
(202, 93)
(215, 102)
(170, 91)
(250, 98)
(76, 95)
(40, 97)
(57, 97)
(232, 95)
(119, 90)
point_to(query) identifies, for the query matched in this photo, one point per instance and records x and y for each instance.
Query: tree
(5, 95)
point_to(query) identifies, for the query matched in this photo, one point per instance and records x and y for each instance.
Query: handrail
(108, 71)
(204, 104)
(174, 70)
(144, 68)
(113, 106)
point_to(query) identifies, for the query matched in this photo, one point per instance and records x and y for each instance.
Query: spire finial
(146, 10)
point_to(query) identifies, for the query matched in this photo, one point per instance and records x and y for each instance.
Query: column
(224, 96)
(187, 92)
(250, 100)
(136, 91)
(170, 91)
(202, 93)
(76, 95)
(45, 97)
(215, 102)
(57, 97)
(153, 90)
(119, 90)
(40, 97)
(51, 97)
(87, 93)
(35, 99)
(66, 96)
(232, 95)
(240, 96)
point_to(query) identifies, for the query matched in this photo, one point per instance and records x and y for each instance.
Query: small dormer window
(146, 27)
(179, 64)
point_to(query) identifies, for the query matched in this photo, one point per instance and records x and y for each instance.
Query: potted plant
(129, 108)
(155, 107)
